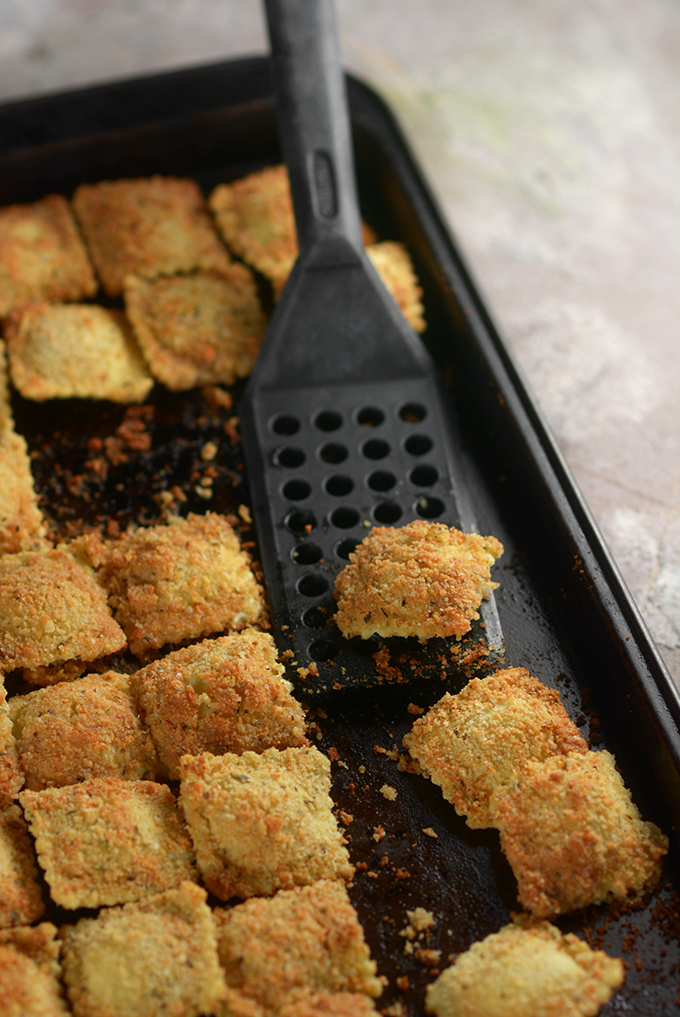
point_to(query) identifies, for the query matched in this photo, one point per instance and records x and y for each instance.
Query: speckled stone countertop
(550, 134)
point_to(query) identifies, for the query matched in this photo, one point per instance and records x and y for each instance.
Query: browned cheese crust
(526, 970)
(108, 841)
(300, 944)
(30, 973)
(52, 609)
(21, 899)
(42, 256)
(156, 958)
(221, 695)
(148, 227)
(179, 581)
(574, 837)
(67, 351)
(423, 579)
(86, 728)
(21, 521)
(11, 779)
(198, 329)
(475, 744)
(262, 822)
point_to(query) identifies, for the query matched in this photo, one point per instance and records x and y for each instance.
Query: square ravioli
(21, 899)
(475, 744)
(108, 841)
(11, 779)
(198, 329)
(21, 522)
(6, 418)
(574, 837)
(423, 580)
(149, 226)
(299, 943)
(52, 609)
(302, 1003)
(176, 582)
(262, 822)
(30, 973)
(75, 351)
(89, 727)
(156, 958)
(526, 970)
(220, 695)
(42, 255)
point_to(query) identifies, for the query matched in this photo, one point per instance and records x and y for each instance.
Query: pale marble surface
(550, 133)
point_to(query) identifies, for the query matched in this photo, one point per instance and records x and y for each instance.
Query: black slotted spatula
(344, 418)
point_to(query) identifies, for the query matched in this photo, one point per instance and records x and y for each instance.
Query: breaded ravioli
(11, 778)
(108, 841)
(52, 609)
(75, 351)
(89, 727)
(574, 837)
(394, 266)
(526, 970)
(423, 579)
(175, 582)
(42, 255)
(156, 958)
(279, 953)
(149, 226)
(30, 973)
(221, 695)
(262, 822)
(475, 744)
(21, 522)
(21, 901)
(198, 329)
(6, 417)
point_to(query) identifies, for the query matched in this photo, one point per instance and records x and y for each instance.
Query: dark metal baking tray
(565, 612)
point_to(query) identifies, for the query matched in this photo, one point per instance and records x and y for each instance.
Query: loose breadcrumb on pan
(108, 841)
(75, 351)
(89, 727)
(526, 970)
(52, 609)
(221, 695)
(155, 958)
(262, 822)
(306, 940)
(22, 526)
(21, 900)
(574, 837)
(198, 329)
(475, 744)
(423, 579)
(11, 778)
(30, 973)
(42, 255)
(175, 582)
(149, 226)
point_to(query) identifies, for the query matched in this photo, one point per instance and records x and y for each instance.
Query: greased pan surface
(564, 611)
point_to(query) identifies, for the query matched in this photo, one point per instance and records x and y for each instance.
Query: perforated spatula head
(344, 419)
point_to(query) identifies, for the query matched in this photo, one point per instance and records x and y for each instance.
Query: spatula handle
(314, 127)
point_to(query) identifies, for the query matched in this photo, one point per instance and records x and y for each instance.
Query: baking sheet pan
(564, 610)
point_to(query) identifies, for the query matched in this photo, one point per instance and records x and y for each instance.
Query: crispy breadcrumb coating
(85, 728)
(21, 901)
(174, 582)
(108, 841)
(220, 695)
(298, 944)
(149, 226)
(199, 329)
(526, 970)
(423, 579)
(475, 744)
(68, 351)
(52, 609)
(155, 958)
(11, 778)
(394, 266)
(574, 837)
(302, 1003)
(21, 522)
(30, 973)
(42, 256)
(262, 822)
